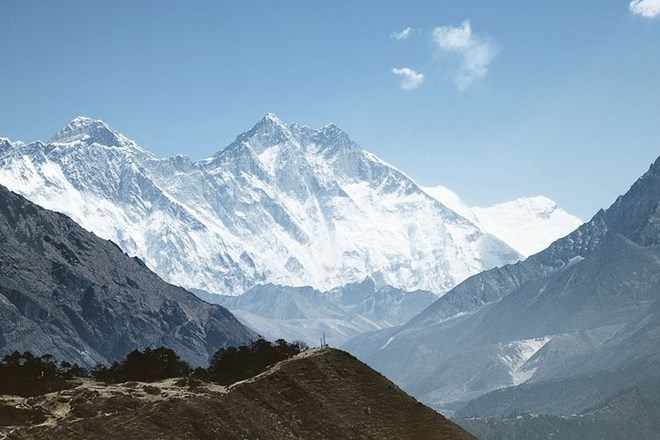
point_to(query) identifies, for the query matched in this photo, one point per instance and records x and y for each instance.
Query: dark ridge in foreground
(66, 292)
(320, 394)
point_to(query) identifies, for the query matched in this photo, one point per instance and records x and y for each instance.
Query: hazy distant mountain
(528, 224)
(554, 334)
(283, 204)
(305, 314)
(67, 292)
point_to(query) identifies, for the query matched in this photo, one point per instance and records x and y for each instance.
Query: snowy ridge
(528, 224)
(283, 203)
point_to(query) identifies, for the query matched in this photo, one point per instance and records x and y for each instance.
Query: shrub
(144, 366)
(24, 374)
(230, 365)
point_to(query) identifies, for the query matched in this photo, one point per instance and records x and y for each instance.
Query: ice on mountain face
(528, 225)
(515, 355)
(286, 204)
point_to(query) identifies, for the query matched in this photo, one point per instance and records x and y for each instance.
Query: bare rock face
(66, 292)
(320, 394)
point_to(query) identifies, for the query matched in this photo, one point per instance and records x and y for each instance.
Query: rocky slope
(321, 394)
(283, 204)
(584, 314)
(67, 292)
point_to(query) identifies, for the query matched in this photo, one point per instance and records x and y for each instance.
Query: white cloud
(476, 52)
(411, 79)
(645, 8)
(402, 34)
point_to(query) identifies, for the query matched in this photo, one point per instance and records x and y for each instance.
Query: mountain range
(283, 204)
(481, 313)
(305, 314)
(571, 326)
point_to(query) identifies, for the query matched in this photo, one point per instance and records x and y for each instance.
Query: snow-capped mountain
(527, 224)
(283, 204)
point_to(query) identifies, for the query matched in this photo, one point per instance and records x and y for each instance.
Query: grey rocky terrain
(67, 292)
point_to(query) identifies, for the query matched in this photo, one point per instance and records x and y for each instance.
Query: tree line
(27, 375)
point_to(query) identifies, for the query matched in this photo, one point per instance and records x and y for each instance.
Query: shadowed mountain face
(320, 394)
(66, 292)
(555, 334)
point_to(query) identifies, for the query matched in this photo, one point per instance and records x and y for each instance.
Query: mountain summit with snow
(284, 204)
(527, 224)
(90, 131)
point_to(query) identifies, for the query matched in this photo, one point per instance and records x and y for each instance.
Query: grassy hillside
(320, 394)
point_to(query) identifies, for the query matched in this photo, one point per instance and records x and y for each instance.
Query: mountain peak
(539, 205)
(271, 122)
(334, 139)
(332, 130)
(636, 214)
(272, 118)
(269, 131)
(89, 131)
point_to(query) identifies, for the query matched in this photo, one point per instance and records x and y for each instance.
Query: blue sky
(517, 98)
